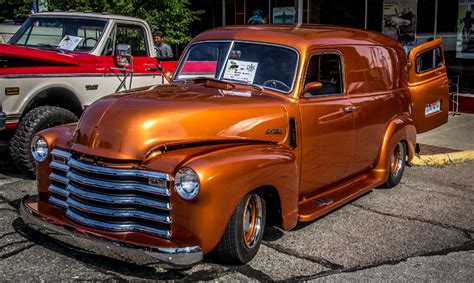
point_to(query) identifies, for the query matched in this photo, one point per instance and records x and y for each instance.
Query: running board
(320, 204)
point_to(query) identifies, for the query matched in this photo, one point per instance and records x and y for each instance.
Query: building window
(349, 13)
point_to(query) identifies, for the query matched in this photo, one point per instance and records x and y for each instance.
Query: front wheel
(243, 234)
(34, 121)
(397, 165)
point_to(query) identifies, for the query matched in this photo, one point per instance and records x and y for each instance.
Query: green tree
(173, 17)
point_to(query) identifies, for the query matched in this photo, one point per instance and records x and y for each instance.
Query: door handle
(154, 69)
(349, 109)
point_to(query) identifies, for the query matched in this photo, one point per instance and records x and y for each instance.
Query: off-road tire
(34, 121)
(395, 174)
(232, 247)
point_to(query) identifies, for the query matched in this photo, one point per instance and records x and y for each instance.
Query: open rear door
(429, 86)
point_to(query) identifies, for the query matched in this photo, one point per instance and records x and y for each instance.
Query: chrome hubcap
(397, 159)
(252, 220)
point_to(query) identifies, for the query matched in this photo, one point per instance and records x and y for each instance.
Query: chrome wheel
(252, 220)
(397, 159)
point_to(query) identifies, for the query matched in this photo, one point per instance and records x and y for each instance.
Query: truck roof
(89, 15)
(300, 37)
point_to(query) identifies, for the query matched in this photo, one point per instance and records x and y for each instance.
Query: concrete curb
(443, 159)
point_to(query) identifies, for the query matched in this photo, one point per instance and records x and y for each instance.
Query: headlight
(39, 148)
(187, 183)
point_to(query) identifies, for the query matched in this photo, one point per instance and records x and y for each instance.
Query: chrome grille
(108, 198)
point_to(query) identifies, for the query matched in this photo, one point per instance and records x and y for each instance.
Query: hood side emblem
(275, 131)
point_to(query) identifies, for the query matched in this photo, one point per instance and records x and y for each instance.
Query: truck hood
(37, 55)
(131, 125)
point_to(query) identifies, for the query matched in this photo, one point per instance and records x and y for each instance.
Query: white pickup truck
(58, 63)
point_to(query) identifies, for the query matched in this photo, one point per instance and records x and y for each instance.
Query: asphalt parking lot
(421, 230)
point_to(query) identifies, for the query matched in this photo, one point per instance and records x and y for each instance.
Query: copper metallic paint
(222, 137)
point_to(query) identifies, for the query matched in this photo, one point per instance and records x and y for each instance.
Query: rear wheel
(397, 165)
(34, 121)
(243, 234)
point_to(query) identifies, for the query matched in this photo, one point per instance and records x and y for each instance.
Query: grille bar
(127, 227)
(120, 186)
(117, 213)
(111, 199)
(58, 190)
(58, 178)
(58, 166)
(116, 172)
(58, 202)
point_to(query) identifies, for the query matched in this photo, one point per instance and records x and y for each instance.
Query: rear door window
(429, 60)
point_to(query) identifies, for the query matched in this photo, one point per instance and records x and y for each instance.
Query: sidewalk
(452, 142)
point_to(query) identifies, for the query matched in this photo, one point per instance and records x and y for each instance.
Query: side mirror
(311, 86)
(123, 55)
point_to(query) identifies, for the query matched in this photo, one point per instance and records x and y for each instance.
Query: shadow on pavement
(8, 169)
(100, 263)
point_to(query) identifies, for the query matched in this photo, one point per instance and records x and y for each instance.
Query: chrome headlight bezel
(187, 183)
(39, 148)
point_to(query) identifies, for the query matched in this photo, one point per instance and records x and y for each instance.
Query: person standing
(163, 50)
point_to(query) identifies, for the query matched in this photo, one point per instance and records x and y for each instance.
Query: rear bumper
(3, 121)
(81, 238)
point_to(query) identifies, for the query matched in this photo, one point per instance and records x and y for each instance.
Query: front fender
(226, 176)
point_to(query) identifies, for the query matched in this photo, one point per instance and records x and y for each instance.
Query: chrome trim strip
(106, 246)
(117, 227)
(117, 172)
(109, 199)
(58, 178)
(57, 190)
(59, 166)
(117, 186)
(118, 213)
(57, 202)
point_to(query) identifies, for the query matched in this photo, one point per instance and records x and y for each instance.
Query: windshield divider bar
(221, 72)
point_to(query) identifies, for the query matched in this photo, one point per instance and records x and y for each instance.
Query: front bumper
(3, 121)
(114, 248)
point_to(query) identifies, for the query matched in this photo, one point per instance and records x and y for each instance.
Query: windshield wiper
(50, 46)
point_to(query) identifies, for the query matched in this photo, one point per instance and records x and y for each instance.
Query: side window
(326, 69)
(133, 35)
(90, 35)
(429, 60)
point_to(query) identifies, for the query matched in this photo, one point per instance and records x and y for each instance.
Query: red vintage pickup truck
(58, 63)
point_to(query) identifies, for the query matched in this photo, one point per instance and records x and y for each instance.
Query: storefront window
(349, 13)
(374, 15)
(283, 11)
(257, 12)
(425, 21)
(229, 12)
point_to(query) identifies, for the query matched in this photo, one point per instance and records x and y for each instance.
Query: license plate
(433, 107)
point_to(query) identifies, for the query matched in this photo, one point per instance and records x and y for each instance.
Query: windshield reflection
(267, 66)
(71, 34)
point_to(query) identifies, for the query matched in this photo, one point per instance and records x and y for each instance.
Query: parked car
(58, 63)
(261, 124)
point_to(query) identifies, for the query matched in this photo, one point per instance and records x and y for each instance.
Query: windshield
(268, 66)
(71, 34)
